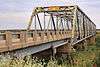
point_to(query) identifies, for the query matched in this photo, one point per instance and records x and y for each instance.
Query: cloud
(18, 11)
(14, 20)
(15, 5)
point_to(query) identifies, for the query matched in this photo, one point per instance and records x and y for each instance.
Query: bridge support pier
(81, 46)
(64, 50)
(91, 41)
(54, 51)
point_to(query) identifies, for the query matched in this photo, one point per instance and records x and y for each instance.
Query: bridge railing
(16, 40)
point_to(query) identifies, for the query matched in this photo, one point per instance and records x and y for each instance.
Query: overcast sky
(14, 14)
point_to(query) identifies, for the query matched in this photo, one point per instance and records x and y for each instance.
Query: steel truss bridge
(49, 27)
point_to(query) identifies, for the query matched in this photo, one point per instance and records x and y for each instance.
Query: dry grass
(80, 59)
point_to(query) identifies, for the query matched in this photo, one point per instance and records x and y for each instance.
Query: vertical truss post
(57, 22)
(74, 25)
(67, 24)
(44, 22)
(35, 23)
(85, 23)
(83, 27)
(86, 27)
(62, 25)
(48, 24)
(91, 29)
(78, 25)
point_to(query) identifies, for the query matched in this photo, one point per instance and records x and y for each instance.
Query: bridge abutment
(91, 40)
(64, 49)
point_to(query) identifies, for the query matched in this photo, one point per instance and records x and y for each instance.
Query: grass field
(87, 58)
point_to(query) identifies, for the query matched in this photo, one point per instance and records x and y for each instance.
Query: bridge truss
(63, 18)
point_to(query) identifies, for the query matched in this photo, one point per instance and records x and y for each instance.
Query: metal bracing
(81, 24)
(53, 22)
(39, 22)
(78, 25)
(74, 25)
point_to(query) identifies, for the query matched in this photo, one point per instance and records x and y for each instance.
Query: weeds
(88, 58)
